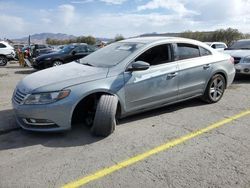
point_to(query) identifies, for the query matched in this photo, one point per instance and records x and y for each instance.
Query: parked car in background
(68, 54)
(121, 79)
(41, 50)
(60, 47)
(240, 51)
(218, 46)
(6, 53)
(36, 50)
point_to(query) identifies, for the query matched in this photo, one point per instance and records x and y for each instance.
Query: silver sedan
(124, 78)
(240, 51)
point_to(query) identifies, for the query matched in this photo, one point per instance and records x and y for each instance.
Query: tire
(105, 121)
(57, 63)
(215, 89)
(3, 61)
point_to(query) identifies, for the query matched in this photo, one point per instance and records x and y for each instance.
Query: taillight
(231, 60)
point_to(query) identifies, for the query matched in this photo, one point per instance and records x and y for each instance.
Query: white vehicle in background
(6, 53)
(218, 46)
(240, 51)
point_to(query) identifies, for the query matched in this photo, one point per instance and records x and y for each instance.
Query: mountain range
(40, 38)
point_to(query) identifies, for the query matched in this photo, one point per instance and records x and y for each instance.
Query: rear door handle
(207, 66)
(172, 75)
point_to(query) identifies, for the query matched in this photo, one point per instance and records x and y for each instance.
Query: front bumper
(242, 68)
(41, 64)
(59, 113)
(38, 65)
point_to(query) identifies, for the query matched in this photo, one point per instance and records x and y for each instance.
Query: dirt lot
(219, 158)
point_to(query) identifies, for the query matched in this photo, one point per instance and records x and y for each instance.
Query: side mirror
(73, 52)
(138, 66)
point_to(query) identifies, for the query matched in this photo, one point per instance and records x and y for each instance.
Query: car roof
(4, 42)
(148, 40)
(215, 42)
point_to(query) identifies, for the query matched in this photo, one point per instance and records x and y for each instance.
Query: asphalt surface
(220, 158)
(10, 75)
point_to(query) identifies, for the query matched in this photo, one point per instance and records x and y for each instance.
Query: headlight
(46, 98)
(246, 59)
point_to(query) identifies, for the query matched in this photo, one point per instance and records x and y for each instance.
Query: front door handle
(172, 75)
(207, 66)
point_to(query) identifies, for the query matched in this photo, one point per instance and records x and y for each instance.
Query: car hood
(57, 78)
(238, 53)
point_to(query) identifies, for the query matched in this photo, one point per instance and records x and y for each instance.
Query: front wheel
(105, 121)
(215, 89)
(3, 61)
(57, 63)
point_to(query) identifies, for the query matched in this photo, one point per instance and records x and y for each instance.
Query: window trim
(177, 51)
(210, 53)
(148, 48)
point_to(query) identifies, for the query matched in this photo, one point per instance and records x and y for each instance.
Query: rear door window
(187, 51)
(220, 46)
(204, 51)
(80, 49)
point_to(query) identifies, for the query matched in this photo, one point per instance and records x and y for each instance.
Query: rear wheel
(215, 89)
(3, 61)
(57, 63)
(105, 121)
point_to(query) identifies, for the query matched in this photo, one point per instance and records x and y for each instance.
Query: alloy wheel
(3, 61)
(217, 88)
(57, 63)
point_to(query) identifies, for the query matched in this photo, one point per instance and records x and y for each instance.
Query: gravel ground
(219, 158)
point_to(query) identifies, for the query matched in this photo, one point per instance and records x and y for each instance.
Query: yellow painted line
(106, 171)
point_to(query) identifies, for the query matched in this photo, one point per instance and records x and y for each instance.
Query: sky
(107, 18)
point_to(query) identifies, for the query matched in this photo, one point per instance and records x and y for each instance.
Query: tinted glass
(81, 49)
(220, 46)
(67, 49)
(204, 52)
(186, 51)
(111, 55)
(156, 55)
(41, 46)
(2, 45)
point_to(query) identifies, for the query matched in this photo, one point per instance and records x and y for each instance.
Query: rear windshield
(111, 55)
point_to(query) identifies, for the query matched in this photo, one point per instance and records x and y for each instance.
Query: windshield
(111, 55)
(241, 45)
(67, 49)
